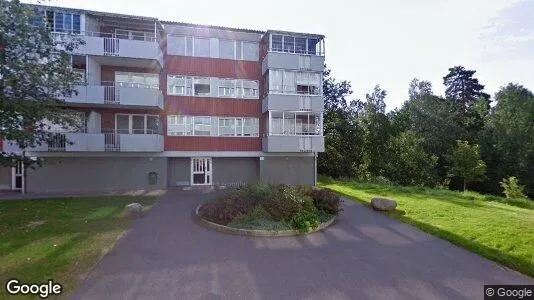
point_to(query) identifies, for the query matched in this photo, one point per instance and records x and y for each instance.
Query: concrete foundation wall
(238, 170)
(96, 174)
(288, 170)
(179, 171)
(5, 178)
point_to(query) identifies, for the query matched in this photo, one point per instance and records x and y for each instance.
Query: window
(202, 47)
(63, 22)
(291, 82)
(289, 44)
(202, 126)
(295, 123)
(251, 127)
(227, 127)
(137, 124)
(276, 41)
(312, 46)
(250, 89)
(201, 86)
(239, 50)
(226, 49)
(300, 45)
(176, 85)
(176, 45)
(139, 80)
(227, 87)
(250, 51)
(189, 46)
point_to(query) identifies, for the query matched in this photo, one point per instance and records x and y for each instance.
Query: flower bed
(274, 208)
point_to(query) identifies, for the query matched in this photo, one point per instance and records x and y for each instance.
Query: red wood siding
(196, 143)
(200, 106)
(214, 67)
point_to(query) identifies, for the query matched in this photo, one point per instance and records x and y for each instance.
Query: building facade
(168, 104)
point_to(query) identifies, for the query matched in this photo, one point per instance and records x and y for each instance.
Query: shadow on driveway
(364, 255)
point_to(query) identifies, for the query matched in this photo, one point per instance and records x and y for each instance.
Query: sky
(385, 42)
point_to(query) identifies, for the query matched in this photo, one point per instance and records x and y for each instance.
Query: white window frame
(310, 115)
(138, 85)
(293, 90)
(53, 27)
(130, 123)
(319, 51)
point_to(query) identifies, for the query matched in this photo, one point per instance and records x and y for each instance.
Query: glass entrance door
(201, 171)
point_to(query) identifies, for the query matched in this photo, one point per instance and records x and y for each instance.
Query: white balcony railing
(135, 95)
(95, 142)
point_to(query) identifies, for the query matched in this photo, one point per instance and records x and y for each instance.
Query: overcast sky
(386, 42)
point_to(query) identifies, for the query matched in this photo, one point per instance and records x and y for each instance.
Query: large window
(295, 123)
(291, 82)
(250, 51)
(201, 47)
(137, 124)
(197, 46)
(63, 22)
(226, 49)
(297, 44)
(139, 80)
(202, 126)
(201, 86)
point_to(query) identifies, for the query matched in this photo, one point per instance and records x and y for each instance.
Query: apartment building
(169, 104)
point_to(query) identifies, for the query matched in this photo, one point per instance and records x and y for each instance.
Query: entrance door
(201, 171)
(17, 177)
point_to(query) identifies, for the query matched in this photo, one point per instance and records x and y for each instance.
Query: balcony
(108, 44)
(96, 142)
(291, 102)
(293, 143)
(134, 96)
(292, 61)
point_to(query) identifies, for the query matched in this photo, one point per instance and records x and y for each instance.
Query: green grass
(486, 225)
(59, 239)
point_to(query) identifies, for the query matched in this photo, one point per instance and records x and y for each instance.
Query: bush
(286, 202)
(225, 210)
(304, 221)
(512, 189)
(259, 192)
(327, 201)
(257, 213)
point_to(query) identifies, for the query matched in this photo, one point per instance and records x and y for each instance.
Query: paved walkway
(16, 195)
(365, 255)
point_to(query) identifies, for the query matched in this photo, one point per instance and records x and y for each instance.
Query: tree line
(464, 139)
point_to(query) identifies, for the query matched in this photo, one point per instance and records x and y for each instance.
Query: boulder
(133, 210)
(383, 204)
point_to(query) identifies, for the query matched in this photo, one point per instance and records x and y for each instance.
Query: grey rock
(383, 204)
(133, 210)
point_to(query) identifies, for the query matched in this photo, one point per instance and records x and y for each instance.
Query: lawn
(59, 239)
(483, 224)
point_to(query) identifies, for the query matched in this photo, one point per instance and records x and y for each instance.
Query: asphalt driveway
(365, 255)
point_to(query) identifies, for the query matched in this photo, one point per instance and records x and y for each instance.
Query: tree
(35, 77)
(343, 139)
(462, 87)
(419, 88)
(466, 162)
(508, 138)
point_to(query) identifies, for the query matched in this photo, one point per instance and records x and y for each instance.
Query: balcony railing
(96, 142)
(119, 93)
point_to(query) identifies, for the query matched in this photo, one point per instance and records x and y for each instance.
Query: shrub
(304, 221)
(512, 188)
(259, 192)
(326, 179)
(257, 213)
(381, 180)
(286, 202)
(225, 210)
(327, 201)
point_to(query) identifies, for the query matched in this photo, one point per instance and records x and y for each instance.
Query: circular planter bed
(270, 210)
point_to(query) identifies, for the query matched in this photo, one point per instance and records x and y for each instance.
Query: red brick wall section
(195, 143)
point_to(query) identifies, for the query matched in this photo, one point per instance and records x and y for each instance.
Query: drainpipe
(315, 171)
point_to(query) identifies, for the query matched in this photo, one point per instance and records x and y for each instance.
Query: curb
(255, 232)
